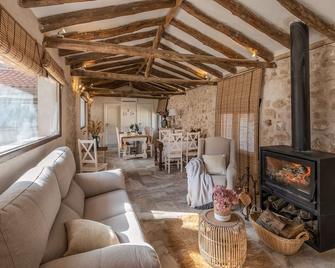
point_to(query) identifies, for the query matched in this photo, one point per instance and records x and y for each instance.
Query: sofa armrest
(231, 176)
(116, 256)
(100, 182)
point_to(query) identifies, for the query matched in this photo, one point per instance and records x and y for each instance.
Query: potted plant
(223, 200)
(95, 128)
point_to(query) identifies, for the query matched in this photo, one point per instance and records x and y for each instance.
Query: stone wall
(275, 117)
(196, 109)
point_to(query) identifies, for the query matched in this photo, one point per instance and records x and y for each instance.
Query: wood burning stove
(295, 181)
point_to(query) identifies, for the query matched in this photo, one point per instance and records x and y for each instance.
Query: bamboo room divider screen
(237, 116)
(19, 46)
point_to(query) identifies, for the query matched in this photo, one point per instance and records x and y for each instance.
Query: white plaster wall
(15, 167)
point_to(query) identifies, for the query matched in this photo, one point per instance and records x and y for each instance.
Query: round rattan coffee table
(222, 244)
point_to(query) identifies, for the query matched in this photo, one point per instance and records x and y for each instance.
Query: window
(29, 109)
(82, 113)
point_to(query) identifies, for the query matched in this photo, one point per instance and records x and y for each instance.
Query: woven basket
(279, 244)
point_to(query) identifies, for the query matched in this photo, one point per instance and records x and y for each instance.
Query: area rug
(178, 239)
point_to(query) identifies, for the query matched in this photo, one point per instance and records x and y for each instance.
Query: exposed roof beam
(114, 49)
(186, 68)
(43, 3)
(261, 24)
(206, 40)
(168, 68)
(123, 69)
(109, 65)
(234, 34)
(309, 17)
(134, 90)
(125, 95)
(129, 77)
(196, 50)
(58, 21)
(198, 65)
(169, 17)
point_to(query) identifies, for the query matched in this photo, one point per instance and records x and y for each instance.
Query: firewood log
(271, 222)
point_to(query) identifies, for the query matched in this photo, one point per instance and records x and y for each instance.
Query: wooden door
(144, 115)
(111, 121)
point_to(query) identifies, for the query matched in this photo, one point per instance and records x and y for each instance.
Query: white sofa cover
(33, 211)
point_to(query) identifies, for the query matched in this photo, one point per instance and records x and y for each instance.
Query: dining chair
(174, 151)
(120, 147)
(149, 132)
(192, 145)
(88, 156)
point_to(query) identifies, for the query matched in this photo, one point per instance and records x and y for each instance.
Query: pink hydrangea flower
(224, 198)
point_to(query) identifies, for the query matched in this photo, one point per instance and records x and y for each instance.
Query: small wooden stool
(222, 244)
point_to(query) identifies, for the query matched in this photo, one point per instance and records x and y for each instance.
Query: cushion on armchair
(215, 164)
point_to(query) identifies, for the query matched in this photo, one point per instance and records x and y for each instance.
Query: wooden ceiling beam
(206, 40)
(234, 34)
(196, 50)
(102, 47)
(169, 17)
(258, 22)
(44, 3)
(173, 70)
(62, 20)
(125, 95)
(186, 68)
(131, 78)
(110, 65)
(203, 68)
(309, 17)
(136, 89)
(116, 31)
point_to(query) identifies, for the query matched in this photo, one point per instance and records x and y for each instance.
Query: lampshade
(172, 112)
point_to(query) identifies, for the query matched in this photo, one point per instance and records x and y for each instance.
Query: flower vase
(97, 140)
(222, 215)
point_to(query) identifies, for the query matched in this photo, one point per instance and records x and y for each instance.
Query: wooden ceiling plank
(169, 17)
(309, 17)
(109, 65)
(229, 31)
(186, 68)
(206, 40)
(125, 95)
(196, 50)
(102, 47)
(62, 20)
(128, 77)
(44, 3)
(258, 22)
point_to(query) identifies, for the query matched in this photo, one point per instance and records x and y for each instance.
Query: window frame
(85, 113)
(14, 152)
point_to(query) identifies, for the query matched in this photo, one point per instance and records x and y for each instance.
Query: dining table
(135, 138)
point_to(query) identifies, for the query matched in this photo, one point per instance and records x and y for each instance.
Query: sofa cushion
(127, 227)
(217, 145)
(85, 235)
(215, 164)
(219, 179)
(27, 211)
(107, 205)
(75, 198)
(57, 242)
(62, 162)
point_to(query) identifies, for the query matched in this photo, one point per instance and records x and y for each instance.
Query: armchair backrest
(218, 145)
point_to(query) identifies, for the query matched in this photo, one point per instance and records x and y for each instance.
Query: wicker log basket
(277, 243)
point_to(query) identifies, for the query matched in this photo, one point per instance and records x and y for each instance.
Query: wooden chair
(149, 132)
(174, 151)
(120, 147)
(164, 134)
(88, 156)
(192, 145)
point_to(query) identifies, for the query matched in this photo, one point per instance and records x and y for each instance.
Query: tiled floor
(158, 195)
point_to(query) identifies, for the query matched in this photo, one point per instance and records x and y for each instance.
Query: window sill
(14, 152)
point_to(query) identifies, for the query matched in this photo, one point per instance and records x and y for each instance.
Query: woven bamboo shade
(53, 68)
(17, 45)
(237, 116)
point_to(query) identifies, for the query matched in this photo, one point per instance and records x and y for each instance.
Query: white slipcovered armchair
(220, 145)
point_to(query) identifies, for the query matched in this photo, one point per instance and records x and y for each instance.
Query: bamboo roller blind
(237, 117)
(20, 47)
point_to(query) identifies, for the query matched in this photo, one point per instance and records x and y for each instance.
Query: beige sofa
(220, 145)
(33, 211)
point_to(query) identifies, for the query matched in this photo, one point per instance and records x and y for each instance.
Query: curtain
(237, 116)
(20, 47)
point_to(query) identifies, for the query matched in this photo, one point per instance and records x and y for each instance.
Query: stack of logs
(292, 214)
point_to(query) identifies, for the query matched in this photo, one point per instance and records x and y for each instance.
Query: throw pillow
(86, 235)
(215, 164)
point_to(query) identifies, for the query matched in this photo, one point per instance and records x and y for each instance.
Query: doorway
(111, 121)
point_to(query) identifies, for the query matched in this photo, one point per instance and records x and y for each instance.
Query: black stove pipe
(300, 96)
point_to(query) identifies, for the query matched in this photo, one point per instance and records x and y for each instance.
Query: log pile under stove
(300, 218)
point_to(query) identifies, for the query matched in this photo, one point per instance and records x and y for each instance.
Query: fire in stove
(288, 173)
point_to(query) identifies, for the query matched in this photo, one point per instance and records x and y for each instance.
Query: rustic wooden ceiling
(161, 48)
